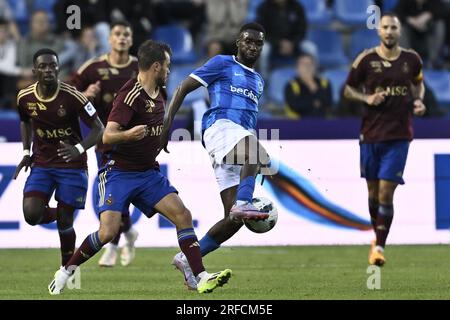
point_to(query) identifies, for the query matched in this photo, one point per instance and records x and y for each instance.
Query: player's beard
(390, 45)
(160, 80)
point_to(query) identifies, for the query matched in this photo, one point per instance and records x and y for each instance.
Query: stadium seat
(176, 76)
(21, 14)
(439, 82)
(46, 5)
(329, 46)
(252, 9)
(351, 12)
(362, 39)
(389, 5)
(277, 81)
(180, 40)
(337, 79)
(316, 11)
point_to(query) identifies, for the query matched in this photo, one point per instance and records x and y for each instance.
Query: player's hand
(137, 133)
(92, 91)
(376, 98)
(67, 151)
(26, 162)
(419, 108)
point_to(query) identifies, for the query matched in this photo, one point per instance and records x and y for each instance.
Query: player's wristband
(79, 148)
(26, 152)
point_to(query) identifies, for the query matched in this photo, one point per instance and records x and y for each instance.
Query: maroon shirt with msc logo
(392, 119)
(53, 120)
(132, 107)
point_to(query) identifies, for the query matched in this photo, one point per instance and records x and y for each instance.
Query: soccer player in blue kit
(237, 156)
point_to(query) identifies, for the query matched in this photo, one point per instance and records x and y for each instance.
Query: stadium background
(321, 155)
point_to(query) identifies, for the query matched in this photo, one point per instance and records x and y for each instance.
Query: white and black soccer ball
(261, 226)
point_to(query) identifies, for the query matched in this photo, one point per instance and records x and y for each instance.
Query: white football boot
(180, 262)
(129, 251)
(109, 256)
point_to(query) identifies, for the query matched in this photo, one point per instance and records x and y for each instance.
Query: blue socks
(207, 245)
(246, 189)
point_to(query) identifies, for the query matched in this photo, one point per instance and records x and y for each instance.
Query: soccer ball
(261, 226)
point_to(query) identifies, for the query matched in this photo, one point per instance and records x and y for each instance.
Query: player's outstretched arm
(26, 133)
(189, 84)
(70, 152)
(113, 133)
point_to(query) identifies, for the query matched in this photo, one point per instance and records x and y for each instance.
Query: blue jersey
(234, 91)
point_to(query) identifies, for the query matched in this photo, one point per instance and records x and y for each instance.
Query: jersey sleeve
(81, 79)
(356, 75)
(23, 115)
(417, 70)
(121, 112)
(209, 72)
(86, 109)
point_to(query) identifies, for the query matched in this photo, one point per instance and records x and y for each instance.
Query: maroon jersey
(132, 107)
(391, 120)
(53, 120)
(112, 77)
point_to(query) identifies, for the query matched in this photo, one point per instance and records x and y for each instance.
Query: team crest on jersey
(31, 105)
(104, 73)
(149, 106)
(405, 67)
(260, 87)
(109, 201)
(61, 111)
(40, 133)
(114, 71)
(376, 65)
(108, 97)
(34, 113)
(386, 64)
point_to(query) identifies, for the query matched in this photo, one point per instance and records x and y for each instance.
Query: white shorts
(219, 140)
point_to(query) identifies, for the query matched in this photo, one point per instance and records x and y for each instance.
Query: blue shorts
(118, 189)
(384, 160)
(70, 185)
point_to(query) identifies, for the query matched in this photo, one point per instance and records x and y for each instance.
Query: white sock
(379, 249)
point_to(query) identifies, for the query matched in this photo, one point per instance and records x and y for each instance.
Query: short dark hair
(122, 23)
(252, 26)
(3, 22)
(43, 51)
(389, 14)
(150, 52)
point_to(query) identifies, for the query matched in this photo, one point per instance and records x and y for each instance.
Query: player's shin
(191, 249)
(373, 210)
(90, 246)
(48, 216)
(66, 232)
(384, 220)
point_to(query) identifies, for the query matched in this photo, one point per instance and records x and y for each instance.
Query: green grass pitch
(292, 272)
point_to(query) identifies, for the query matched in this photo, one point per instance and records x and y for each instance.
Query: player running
(234, 89)
(49, 112)
(132, 176)
(388, 79)
(100, 79)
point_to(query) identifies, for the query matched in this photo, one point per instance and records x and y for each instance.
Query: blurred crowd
(27, 25)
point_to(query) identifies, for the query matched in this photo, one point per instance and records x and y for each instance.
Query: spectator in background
(41, 36)
(6, 15)
(423, 28)
(223, 21)
(87, 47)
(286, 26)
(93, 13)
(308, 95)
(9, 71)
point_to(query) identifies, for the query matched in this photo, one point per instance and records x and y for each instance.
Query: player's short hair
(152, 51)
(390, 14)
(122, 23)
(3, 22)
(252, 26)
(43, 51)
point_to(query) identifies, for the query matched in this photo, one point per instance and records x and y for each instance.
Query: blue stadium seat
(439, 82)
(337, 79)
(351, 12)
(180, 40)
(362, 39)
(278, 80)
(329, 47)
(176, 76)
(316, 11)
(252, 9)
(389, 5)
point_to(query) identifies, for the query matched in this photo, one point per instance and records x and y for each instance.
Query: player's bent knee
(32, 215)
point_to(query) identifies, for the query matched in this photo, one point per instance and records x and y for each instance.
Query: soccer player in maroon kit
(100, 79)
(389, 80)
(131, 174)
(49, 112)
